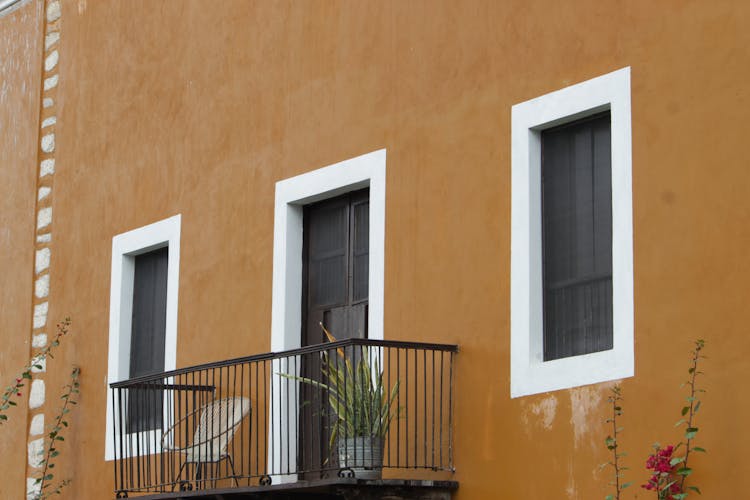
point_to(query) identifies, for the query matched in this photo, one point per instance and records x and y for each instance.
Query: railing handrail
(285, 354)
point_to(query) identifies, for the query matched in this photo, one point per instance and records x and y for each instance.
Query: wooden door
(335, 294)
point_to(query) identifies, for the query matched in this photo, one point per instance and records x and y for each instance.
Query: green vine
(694, 404)
(44, 483)
(14, 391)
(669, 472)
(612, 445)
(70, 391)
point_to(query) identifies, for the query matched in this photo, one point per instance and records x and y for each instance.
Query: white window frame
(125, 247)
(530, 374)
(292, 195)
(8, 6)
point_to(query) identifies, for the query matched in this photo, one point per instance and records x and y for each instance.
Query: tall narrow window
(571, 300)
(142, 332)
(577, 237)
(147, 337)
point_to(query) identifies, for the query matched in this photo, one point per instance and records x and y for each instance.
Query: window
(147, 336)
(142, 322)
(8, 6)
(577, 238)
(571, 237)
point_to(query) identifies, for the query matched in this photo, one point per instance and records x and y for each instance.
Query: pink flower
(664, 473)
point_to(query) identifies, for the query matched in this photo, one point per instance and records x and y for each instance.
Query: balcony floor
(337, 488)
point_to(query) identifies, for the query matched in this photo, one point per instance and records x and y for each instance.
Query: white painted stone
(44, 217)
(36, 452)
(41, 287)
(40, 315)
(47, 102)
(51, 39)
(48, 143)
(41, 361)
(44, 238)
(48, 122)
(42, 260)
(36, 396)
(51, 82)
(44, 191)
(39, 340)
(53, 12)
(51, 61)
(37, 425)
(47, 167)
(32, 488)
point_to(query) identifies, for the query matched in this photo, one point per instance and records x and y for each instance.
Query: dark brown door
(335, 292)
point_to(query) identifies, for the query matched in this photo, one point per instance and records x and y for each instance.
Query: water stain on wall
(585, 403)
(542, 411)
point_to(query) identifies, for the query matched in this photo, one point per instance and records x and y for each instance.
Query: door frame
(292, 195)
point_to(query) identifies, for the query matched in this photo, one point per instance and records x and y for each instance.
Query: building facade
(184, 161)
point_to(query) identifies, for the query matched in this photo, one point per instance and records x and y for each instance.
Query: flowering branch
(14, 391)
(670, 473)
(691, 409)
(664, 478)
(55, 435)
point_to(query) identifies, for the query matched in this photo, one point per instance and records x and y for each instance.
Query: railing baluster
(450, 414)
(442, 366)
(432, 402)
(424, 402)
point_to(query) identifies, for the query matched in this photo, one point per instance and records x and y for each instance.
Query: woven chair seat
(217, 424)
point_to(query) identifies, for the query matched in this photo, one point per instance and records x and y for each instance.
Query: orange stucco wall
(185, 107)
(20, 68)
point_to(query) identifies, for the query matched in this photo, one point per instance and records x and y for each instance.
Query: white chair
(216, 426)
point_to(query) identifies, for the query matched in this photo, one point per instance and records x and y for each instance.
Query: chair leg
(198, 475)
(179, 475)
(234, 474)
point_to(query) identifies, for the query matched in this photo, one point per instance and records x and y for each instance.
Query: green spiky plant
(363, 406)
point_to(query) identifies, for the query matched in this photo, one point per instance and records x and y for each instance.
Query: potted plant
(362, 407)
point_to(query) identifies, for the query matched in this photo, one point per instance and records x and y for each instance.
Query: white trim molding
(286, 317)
(165, 233)
(8, 6)
(530, 374)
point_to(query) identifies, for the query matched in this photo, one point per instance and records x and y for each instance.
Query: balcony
(353, 418)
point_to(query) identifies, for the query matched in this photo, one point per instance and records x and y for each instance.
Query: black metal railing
(350, 408)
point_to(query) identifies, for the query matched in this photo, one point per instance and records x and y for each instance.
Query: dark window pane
(328, 239)
(328, 229)
(147, 337)
(361, 251)
(328, 280)
(577, 237)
